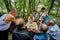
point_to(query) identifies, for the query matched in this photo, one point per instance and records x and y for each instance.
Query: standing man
(5, 21)
(43, 14)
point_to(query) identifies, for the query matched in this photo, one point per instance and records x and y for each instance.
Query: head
(43, 19)
(12, 12)
(43, 28)
(35, 11)
(20, 24)
(31, 15)
(51, 23)
(43, 9)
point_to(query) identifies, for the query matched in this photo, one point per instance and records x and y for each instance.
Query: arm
(40, 14)
(9, 18)
(46, 14)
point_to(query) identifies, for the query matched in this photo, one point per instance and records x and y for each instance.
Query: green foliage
(25, 7)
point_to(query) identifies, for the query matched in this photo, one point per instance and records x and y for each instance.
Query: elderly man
(21, 33)
(42, 35)
(54, 29)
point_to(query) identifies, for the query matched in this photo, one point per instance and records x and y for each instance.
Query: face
(43, 10)
(13, 13)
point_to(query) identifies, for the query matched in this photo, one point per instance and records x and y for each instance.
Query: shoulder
(56, 27)
(9, 16)
(15, 30)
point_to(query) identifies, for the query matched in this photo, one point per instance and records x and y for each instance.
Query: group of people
(34, 29)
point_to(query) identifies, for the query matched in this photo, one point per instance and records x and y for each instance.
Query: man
(21, 33)
(35, 15)
(42, 35)
(54, 29)
(5, 21)
(43, 14)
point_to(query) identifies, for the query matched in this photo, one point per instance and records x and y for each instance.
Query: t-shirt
(43, 15)
(35, 15)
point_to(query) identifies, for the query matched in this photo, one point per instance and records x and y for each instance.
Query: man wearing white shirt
(43, 13)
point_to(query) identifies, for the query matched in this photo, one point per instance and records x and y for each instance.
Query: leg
(4, 35)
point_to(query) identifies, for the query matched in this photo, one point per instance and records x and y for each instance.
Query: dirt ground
(9, 36)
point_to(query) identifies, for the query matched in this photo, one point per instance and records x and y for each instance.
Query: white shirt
(3, 25)
(43, 14)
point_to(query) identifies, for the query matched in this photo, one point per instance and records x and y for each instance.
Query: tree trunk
(33, 4)
(15, 3)
(24, 3)
(57, 11)
(8, 4)
(20, 5)
(51, 6)
(30, 6)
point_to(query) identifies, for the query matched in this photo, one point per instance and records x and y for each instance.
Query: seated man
(42, 35)
(54, 29)
(21, 33)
